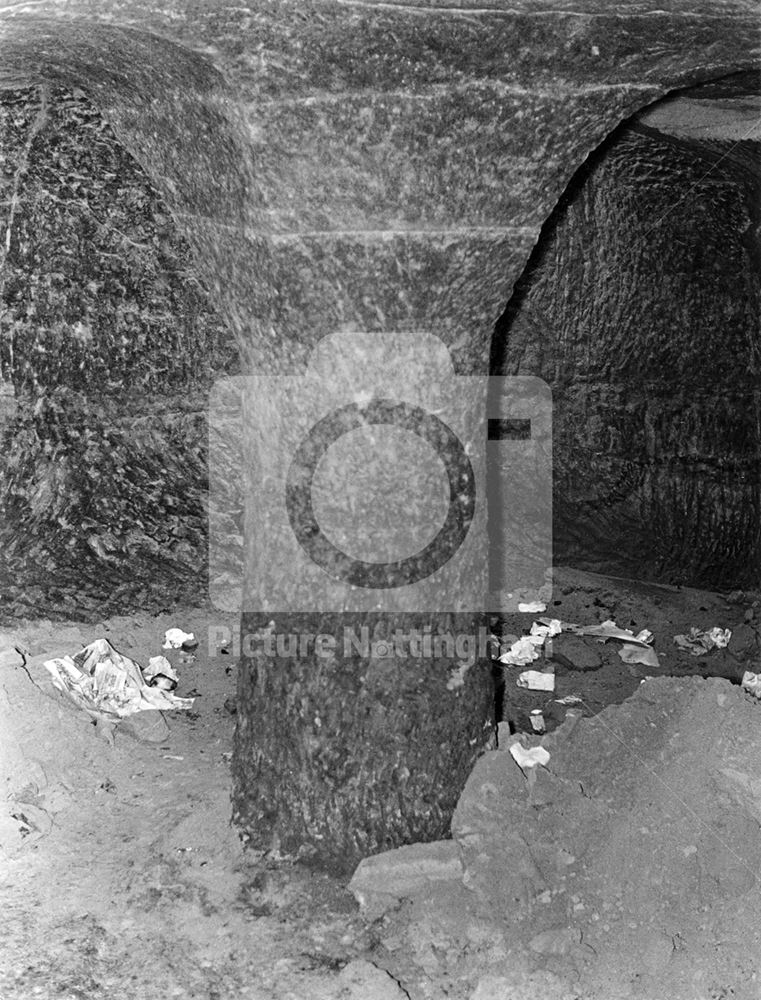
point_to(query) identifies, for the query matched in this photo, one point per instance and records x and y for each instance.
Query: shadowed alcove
(640, 308)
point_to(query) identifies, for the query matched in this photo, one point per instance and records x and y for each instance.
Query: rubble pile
(626, 866)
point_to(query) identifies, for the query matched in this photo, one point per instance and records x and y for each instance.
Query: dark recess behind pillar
(640, 307)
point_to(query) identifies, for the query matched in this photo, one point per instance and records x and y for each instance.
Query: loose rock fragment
(382, 879)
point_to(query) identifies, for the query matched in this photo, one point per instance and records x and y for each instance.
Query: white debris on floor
(106, 684)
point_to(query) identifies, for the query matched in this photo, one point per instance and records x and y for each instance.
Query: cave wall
(110, 344)
(355, 166)
(640, 307)
(363, 167)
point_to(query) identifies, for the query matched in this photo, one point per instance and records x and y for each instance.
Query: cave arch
(170, 108)
(639, 305)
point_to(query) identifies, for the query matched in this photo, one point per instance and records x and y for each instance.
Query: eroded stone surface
(361, 980)
(595, 867)
(381, 880)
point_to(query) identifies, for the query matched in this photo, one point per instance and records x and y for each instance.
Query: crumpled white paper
(528, 758)
(527, 649)
(700, 641)
(175, 637)
(457, 677)
(751, 682)
(522, 652)
(536, 680)
(570, 699)
(160, 673)
(546, 627)
(532, 607)
(108, 685)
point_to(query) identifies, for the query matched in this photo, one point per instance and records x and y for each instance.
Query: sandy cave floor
(121, 877)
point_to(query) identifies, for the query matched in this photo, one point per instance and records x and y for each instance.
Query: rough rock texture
(640, 307)
(317, 164)
(264, 127)
(361, 980)
(110, 344)
(626, 868)
(357, 754)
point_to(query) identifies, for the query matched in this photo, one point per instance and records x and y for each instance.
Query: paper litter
(636, 648)
(522, 652)
(175, 638)
(700, 641)
(160, 673)
(546, 627)
(751, 682)
(631, 653)
(536, 680)
(108, 685)
(526, 759)
(527, 649)
(537, 720)
(457, 677)
(609, 630)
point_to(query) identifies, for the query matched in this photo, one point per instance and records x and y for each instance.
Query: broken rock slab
(494, 784)
(498, 866)
(381, 880)
(637, 810)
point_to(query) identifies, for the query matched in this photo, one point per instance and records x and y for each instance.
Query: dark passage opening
(640, 308)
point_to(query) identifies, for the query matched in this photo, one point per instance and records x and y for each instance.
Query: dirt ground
(586, 598)
(120, 875)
